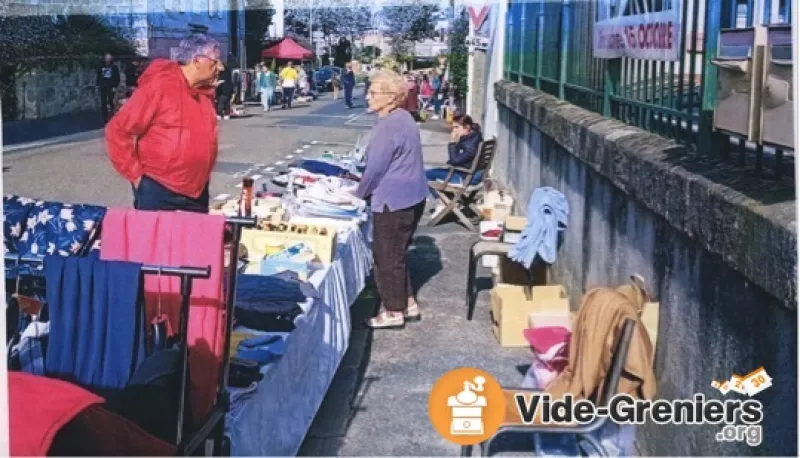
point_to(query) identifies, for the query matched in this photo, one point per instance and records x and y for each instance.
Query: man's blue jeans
(457, 178)
(153, 196)
(348, 95)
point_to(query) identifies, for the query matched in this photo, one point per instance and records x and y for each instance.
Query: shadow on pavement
(32, 130)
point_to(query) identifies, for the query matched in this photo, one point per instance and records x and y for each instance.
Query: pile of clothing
(271, 303)
(330, 198)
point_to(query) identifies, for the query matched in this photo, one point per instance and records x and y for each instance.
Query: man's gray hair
(197, 44)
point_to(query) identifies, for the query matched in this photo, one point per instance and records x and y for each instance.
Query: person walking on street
(336, 85)
(289, 78)
(266, 86)
(438, 96)
(164, 140)
(224, 94)
(349, 82)
(107, 82)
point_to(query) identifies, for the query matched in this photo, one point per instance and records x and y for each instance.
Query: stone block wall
(717, 244)
(69, 89)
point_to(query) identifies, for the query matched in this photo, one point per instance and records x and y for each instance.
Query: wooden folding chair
(464, 194)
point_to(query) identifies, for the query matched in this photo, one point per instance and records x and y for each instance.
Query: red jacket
(167, 131)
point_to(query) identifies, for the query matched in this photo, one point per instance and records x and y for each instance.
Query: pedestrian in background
(289, 78)
(349, 82)
(336, 84)
(164, 140)
(266, 86)
(394, 180)
(107, 82)
(438, 96)
(224, 92)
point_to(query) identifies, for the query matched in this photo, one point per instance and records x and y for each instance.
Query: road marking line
(305, 147)
(258, 166)
(239, 185)
(256, 177)
(222, 197)
(289, 156)
(268, 169)
(279, 162)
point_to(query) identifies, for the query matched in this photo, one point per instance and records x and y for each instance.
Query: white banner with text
(622, 30)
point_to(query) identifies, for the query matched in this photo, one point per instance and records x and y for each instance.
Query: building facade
(155, 26)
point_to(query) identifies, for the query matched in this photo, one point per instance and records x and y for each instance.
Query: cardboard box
(257, 240)
(510, 310)
(513, 273)
(496, 206)
(512, 228)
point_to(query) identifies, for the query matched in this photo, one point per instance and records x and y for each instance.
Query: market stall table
(273, 417)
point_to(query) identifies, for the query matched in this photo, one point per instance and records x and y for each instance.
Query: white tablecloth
(274, 418)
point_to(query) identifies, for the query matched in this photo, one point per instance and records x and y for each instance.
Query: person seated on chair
(465, 141)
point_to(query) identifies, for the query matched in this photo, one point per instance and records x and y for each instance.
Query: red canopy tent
(287, 49)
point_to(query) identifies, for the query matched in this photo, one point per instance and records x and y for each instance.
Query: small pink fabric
(178, 239)
(551, 345)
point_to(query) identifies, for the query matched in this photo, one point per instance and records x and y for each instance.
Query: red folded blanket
(51, 417)
(38, 408)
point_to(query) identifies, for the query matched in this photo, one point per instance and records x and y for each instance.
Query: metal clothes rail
(213, 426)
(187, 275)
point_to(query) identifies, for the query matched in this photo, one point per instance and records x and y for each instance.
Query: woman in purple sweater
(394, 180)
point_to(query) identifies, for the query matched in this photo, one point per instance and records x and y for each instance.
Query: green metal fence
(549, 47)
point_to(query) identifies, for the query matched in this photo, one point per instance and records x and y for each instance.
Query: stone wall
(717, 244)
(70, 89)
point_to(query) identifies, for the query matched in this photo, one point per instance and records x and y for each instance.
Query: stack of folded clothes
(271, 303)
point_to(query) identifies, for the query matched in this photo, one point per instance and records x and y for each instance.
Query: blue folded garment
(322, 168)
(96, 320)
(262, 349)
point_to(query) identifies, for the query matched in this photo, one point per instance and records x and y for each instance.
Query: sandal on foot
(383, 321)
(412, 313)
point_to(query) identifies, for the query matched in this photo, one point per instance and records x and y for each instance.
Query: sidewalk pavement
(36, 130)
(378, 402)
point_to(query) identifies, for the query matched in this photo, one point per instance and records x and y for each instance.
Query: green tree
(370, 53)
(409, 23)
(457, 60)
(257, 19)
(49, 43)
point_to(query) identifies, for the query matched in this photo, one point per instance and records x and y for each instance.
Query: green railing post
(710, 141)
(521, 68)
(564, 35)
(509, 45)
(611, 77)
(539, 45)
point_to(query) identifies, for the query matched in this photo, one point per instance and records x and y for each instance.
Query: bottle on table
(246, 202)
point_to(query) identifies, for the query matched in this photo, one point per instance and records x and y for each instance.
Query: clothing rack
(213, 426)
(187, 275)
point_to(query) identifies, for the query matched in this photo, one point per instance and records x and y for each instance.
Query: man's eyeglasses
(215, 61)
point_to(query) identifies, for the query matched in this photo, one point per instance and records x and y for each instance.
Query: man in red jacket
(164, 139)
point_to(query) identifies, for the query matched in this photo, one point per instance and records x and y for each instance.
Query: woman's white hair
(392, 83)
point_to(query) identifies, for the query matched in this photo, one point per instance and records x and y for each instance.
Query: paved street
(377, 403)
(75, 168)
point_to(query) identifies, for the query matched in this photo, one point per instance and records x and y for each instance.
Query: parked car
(322, 80)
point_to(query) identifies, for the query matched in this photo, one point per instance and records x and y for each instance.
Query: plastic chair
(583, 433)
